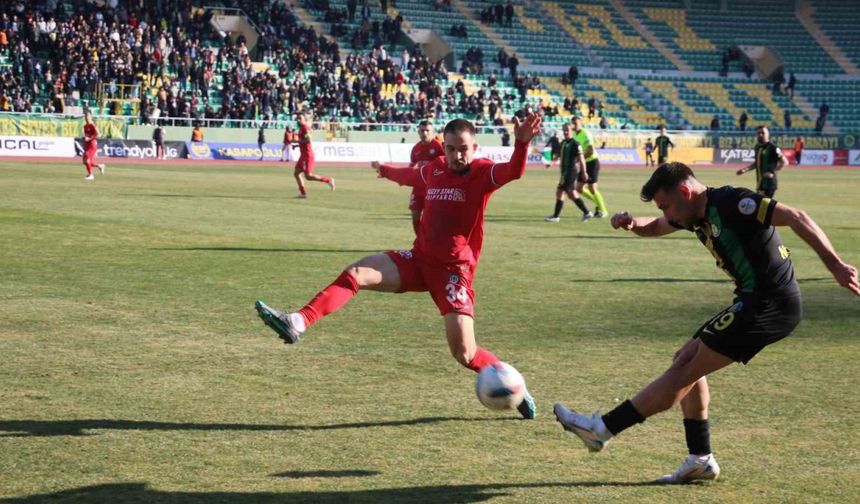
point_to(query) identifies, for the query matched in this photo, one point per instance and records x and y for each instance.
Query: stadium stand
(343, 59)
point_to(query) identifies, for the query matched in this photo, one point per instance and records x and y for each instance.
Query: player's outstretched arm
(746, 168)
(642, 226)
(806, 228)
(403, 176)
(524, 132)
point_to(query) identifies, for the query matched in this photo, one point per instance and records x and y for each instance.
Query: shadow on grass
(251, 249)
(26, 428)
(679, 280)
(343, 473)
(449, 494)
(207, 196)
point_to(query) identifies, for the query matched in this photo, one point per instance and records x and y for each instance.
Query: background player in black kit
(738, 227)
(768, 160)
(662, 143)
(572, 170)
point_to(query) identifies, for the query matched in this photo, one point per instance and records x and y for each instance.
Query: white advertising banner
(818, 157)
(853, 157)
(37, 146)
(351, 152)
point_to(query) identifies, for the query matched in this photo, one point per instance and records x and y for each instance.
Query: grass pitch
(135, 370)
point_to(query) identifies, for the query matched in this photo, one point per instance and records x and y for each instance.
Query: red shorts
(305, 164)
(416, 199)
(450, 286)
(90, 154)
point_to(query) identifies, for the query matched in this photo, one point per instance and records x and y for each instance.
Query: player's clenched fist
(622, 220)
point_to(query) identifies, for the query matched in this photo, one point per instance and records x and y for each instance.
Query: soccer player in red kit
(91, 135)
(427, 149)
(445, 252)
(305, 164)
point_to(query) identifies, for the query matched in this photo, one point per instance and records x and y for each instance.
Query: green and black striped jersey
(662, 142)
(737, 230)
(766, 158)
(569, 155)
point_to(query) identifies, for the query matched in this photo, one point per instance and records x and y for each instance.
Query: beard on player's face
(459, 151)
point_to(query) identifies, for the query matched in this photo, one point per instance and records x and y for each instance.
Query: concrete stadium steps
(806, 16)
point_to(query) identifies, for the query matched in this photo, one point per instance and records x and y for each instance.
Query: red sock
(482, 358)
(330, 299)
(89, 166)
(325, 180)
(302, 189)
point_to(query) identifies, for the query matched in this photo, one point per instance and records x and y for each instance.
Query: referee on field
(592, 167)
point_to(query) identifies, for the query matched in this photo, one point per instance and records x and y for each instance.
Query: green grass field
(134, 368)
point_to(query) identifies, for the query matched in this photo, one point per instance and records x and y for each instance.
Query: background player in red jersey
(305, 164)
(427, 149)
(445, 252)
(91, 135)
(289, 140)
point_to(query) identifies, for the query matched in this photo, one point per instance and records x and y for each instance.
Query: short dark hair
(762, 127)
(423, 123)
(667, 176)
(458, 126)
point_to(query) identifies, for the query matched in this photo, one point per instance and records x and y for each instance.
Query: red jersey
(91, 134)
(452, 224)
(288, 137)
(304, 139)
(424, 153)
(798, 145)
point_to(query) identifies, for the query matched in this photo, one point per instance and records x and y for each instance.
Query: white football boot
(694, 468)
(590, 429)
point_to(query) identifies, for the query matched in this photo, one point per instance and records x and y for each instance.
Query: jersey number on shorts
(456, 293)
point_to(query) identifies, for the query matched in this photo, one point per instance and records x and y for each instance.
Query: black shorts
(567, 182)
(767, 192)
(592, 169)
(742, 330)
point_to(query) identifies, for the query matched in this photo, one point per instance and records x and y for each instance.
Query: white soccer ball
(500, 386)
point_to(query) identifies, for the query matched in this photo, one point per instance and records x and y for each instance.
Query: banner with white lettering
(37, 146)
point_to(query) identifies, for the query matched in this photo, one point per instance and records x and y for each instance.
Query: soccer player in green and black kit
(768, 160)
(738, 227)
(572, 169)
(592, 167)
(662, 143)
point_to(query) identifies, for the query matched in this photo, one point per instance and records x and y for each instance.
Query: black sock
(558, 205)
(622, 417)
(698, 436)
(581, 205)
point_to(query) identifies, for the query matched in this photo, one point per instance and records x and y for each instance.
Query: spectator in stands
(351, 5)
(592, 105)
(819, 123)
(509, 13)
(792, 82)
(513, 63)
(742, 121)
(506, 138)
(502, 58)
(603, 123)
(197, 133)
(786, 117)
(572, 75)
(715, 123)
(824, 109)
(365, 11)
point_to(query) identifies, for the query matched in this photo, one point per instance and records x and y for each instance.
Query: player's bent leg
(376, 272)
(700, 463)
(695, 361)
(460, 333)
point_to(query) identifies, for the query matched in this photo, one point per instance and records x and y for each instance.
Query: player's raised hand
(623, 221)
(846, 275)
(527, 129)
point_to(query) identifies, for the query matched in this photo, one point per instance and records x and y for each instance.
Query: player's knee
(463, 355)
